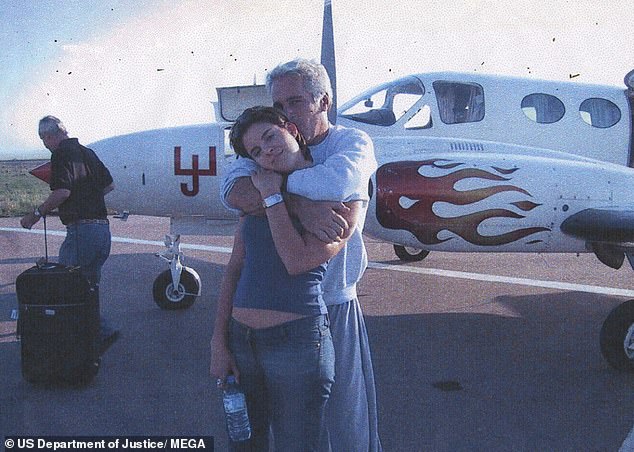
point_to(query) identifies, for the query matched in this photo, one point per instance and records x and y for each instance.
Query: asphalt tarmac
(472, 352)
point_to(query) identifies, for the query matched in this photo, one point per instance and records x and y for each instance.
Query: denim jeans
(88, 246)
(286, 373)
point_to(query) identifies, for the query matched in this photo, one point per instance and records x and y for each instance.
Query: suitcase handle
(45, 265)
(45, 243)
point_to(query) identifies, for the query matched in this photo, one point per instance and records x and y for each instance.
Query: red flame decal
(402, 179)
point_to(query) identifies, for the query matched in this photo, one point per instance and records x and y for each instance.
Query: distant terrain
(20, 192)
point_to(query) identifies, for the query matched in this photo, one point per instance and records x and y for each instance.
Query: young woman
(271, 329)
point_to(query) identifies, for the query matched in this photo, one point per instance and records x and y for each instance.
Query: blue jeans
(88, 246)
(286, 373)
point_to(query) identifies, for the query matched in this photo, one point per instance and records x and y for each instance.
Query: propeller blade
(328, 56)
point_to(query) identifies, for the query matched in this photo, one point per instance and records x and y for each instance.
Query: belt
(90, 221)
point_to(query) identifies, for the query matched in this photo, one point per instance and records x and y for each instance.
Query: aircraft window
(388, 105)
(599, 112)
(229, 152)
(459, 102)
(543, 108)
(421, 120)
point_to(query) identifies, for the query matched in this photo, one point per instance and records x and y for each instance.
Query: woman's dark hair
(255, 115)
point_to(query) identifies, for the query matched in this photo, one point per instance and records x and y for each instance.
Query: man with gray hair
(79, 181)
(345, 161)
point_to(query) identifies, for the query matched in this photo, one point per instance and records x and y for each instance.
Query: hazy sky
(108, 67)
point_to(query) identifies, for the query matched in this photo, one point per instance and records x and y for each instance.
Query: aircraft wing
(180, 224)
(609, 231)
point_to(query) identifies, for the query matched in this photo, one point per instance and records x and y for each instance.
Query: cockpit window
(599, 112)
(387, 105)
(543, 108)
(459, 102)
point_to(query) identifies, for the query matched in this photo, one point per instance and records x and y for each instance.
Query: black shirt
(77, 168)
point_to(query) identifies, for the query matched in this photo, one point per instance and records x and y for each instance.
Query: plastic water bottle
(238, 425)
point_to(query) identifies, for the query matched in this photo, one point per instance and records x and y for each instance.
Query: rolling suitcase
(58, 325)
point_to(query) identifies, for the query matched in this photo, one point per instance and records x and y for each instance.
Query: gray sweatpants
(351, 412)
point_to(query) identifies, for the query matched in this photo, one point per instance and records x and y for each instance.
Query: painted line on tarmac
(215, 249)
(399, 268)
(505, 279)
(187, 246)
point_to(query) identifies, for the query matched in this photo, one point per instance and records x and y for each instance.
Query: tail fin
(328, 56)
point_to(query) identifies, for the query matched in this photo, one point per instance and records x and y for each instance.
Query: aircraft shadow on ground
(469, 381)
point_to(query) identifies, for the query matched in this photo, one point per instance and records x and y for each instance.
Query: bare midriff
(263, 318)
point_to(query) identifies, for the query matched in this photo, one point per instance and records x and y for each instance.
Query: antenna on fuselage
(328, 56)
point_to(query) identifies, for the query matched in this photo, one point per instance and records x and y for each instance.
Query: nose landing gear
(178, 287)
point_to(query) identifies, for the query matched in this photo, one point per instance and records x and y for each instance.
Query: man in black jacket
(79, 181)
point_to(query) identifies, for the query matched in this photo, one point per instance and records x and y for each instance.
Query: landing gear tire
(167, 297)
(617, 337)
(408, 254)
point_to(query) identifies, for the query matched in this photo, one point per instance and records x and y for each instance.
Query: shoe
(107, 340)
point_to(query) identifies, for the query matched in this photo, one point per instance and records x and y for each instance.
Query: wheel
(183, 297)
(409, 254)
(617, 337)
(88, 373)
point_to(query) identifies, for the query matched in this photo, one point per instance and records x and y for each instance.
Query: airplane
(467, 162)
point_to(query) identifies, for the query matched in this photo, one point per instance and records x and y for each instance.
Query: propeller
(328, 56)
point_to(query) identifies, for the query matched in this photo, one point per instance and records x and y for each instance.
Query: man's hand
(322, 218)
(29, 220)
(245, 197)
(54, 200)
(267, 182)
